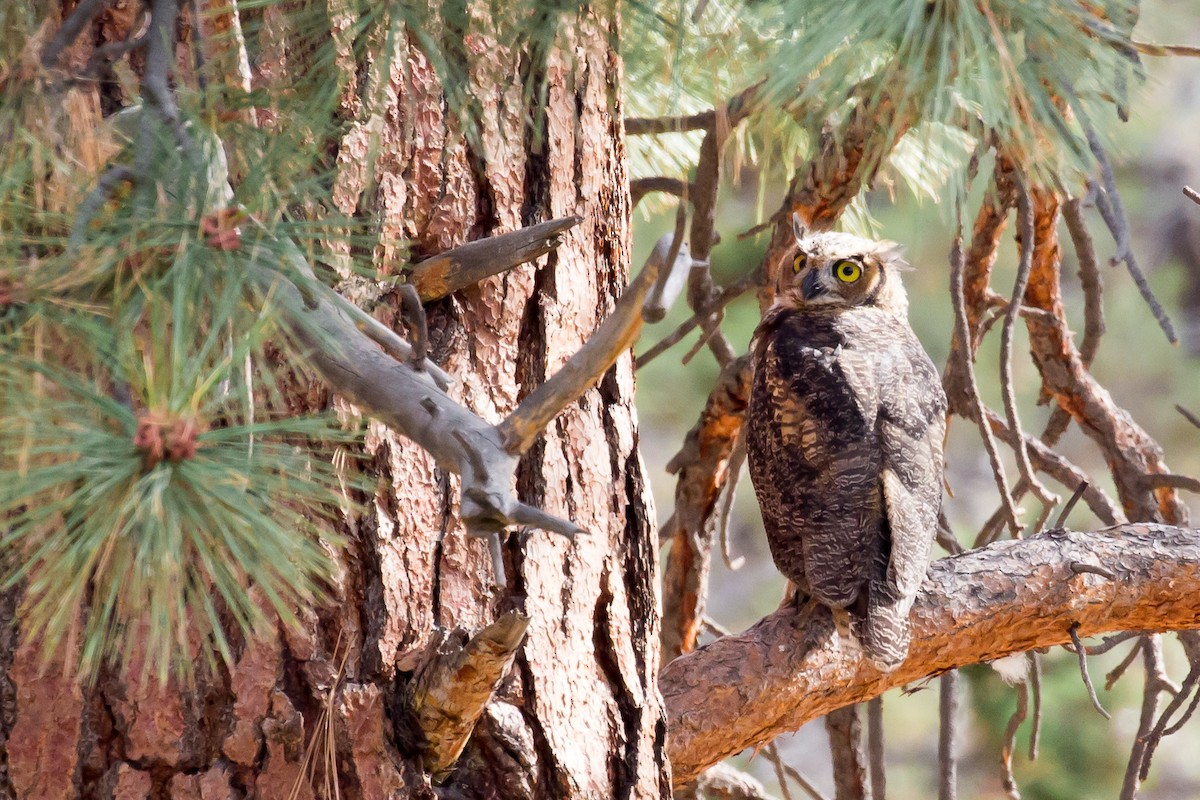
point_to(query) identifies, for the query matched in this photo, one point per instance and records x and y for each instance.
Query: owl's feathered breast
(830, 389)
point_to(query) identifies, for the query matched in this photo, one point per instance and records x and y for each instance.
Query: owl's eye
(847, 271)
(798, 264)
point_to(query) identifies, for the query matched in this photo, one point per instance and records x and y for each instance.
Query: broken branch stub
(453, 686)
(470, 263)
(614, 336)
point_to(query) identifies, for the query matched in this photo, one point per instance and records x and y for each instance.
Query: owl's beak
(811, 286)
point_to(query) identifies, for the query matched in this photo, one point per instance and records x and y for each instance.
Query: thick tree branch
(470, 263)
(1010, 597)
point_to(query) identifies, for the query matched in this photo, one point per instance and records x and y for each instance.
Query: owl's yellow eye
(847, 271)
(798, 264)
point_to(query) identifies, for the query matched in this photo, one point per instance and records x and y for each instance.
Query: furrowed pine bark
(326, 702)
(1012, 596)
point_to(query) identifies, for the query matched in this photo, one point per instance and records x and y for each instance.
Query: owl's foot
(847, 640)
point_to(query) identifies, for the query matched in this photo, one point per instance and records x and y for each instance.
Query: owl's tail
(885, 631)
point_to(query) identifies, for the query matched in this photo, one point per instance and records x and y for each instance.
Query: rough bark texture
(302, 709)
(1013, 596)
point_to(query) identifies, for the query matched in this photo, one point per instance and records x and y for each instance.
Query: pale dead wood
(457, 681)
(723, 782)
(614, 336)
(1013, 596)
(470, 263)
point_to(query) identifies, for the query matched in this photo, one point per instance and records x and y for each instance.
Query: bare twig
(771, 753)
(1171, 480)
(1010, 742)
(1089, 280)
(1035, 692)
(1083, 671)
(947, 738)
(737, 459)
(1155, 49)
(614, 336)
(1063, 471)
(1191, 194)
(1151, 649)
(1117, 672)
(1081, 567)
(780, 775)
(1154, 737)
(966, 361)
(737, 109)
(875, 748)
(677, 264)
(414, 321)
(472, 262)
(69, 31)
(1188, 415)
(113, 177)
(156, 81)
(723, 782)
(723, 298)
(1025, 221)
(850, 771)
(1113, 211)
(641, 187)
(945, 535)
(106, 54)
(1070, 506)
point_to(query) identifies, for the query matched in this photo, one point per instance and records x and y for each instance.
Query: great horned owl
(845, 435)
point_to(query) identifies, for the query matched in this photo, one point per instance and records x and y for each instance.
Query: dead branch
(947, 740)
(847, 750)
(641, 187)
(1155, 49)
(1035, 695)
(69, 31)
(455, 683)
(1010, 597)
(970, 405)
(673, 275)
(1126, 446)
(875, 748)
(785, 770)
(470, 263)
(723, 782)
(1008, 392)
(701, 468)
(1007, 779)
(1189, 416)
(740, 106)
(614, 336)
(1191, 194)
(1113, 211)
(1151, 650)
(723, 298)
(1083, 668)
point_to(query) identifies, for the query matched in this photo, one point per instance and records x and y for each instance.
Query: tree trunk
(578, 715)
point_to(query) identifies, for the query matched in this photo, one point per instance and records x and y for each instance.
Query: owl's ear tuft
(891, 254)
(798, 229)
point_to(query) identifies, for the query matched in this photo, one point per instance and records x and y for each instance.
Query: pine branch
(979, 606)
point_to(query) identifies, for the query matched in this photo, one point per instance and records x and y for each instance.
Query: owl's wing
(911, 424)
(842, 506)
